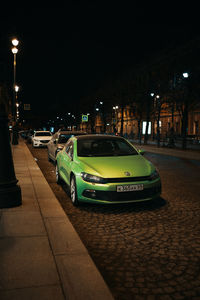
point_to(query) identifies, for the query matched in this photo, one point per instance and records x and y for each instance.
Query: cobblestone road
(149, 250)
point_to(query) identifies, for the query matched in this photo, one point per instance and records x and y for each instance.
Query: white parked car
(41, 138)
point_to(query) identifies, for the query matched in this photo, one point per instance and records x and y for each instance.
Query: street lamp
(115, 121)
(16, 100)
(16, 88)
(17, 103)
(15, 43)
(185, 75)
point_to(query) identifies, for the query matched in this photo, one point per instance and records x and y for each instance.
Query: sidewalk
(41, 255)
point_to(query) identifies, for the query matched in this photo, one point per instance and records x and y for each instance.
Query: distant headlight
(154, 175)
(92, 178)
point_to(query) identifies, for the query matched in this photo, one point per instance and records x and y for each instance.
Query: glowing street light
(185, 75)
(14, 50)
(15, 42)
(16, 88)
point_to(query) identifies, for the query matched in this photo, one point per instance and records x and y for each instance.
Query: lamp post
(15, 43)
(185, 110)
(115, 121)
(16, 102)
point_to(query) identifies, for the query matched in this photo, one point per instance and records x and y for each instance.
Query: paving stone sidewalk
(41, 255)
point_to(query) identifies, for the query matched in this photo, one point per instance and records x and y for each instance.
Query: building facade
(132, 126)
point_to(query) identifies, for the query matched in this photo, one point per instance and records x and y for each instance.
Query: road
(145, 250)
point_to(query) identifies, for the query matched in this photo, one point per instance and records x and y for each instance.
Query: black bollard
(15, 135)
(10, 191)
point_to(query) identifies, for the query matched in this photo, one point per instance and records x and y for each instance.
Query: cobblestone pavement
(144, 251)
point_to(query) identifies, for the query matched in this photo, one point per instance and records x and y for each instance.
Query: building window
(144, 125)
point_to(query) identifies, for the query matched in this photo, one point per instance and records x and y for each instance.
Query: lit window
(144, 124)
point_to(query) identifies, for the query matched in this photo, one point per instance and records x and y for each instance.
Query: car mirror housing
(141, 151)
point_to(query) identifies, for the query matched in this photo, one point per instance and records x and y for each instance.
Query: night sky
(67, 51)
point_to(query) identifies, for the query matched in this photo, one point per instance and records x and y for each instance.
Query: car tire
(73, 191)
(58, 178)
(55, 157)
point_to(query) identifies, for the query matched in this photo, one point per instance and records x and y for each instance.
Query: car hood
(112, 167)
(42, 138)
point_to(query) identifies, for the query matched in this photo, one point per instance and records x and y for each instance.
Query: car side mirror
(141, 151)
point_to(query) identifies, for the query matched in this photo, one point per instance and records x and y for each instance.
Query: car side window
(70, 149)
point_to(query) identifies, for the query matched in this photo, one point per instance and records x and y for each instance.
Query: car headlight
(92, 178)
(154, 175)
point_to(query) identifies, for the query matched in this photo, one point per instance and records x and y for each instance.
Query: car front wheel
(73, 191)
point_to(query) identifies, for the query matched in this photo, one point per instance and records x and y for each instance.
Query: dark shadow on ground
(149, 205)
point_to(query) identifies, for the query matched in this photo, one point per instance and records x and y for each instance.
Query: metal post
(14, 92)
(15, 127)
(10, 192)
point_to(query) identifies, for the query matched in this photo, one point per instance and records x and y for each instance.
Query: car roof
(70, 132)
(97, 136)
(42, 131)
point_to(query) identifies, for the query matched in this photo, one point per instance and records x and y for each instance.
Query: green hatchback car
(106, 169)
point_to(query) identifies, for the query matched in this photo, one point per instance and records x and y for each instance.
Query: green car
(106, 169)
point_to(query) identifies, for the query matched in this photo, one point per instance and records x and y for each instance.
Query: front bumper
(107, 193)
(40, 143)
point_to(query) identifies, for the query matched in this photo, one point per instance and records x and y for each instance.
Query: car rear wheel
(58, 178)
(49, 159)
(73, 191)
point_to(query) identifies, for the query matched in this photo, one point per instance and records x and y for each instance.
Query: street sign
(84, 118)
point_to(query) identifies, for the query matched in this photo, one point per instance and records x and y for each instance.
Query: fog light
(89, 193)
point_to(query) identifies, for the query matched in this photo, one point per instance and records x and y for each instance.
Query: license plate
(129, 188)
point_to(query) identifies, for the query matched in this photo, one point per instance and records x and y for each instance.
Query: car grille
(44, 141)
(112, 196)
(127, 179)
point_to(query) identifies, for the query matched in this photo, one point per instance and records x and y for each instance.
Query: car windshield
(42, 134)
(63, 138)
(104, 147)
